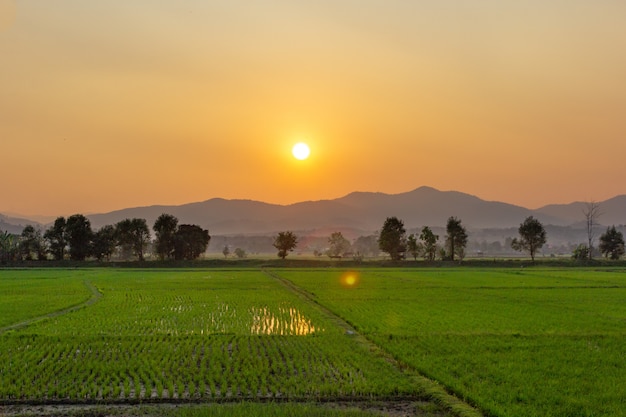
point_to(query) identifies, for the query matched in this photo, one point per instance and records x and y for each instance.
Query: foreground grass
(196, 335)
(514, 343)
(28, 294)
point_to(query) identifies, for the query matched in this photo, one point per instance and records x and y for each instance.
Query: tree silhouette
(338, 245)
(31, 242)
(532, 237)
(285, 242)
(413, 246)
(79, 236)
(56, 238)
(612, 243)
(392, 238)
(165, 230)
(429, 241)
(591, 213)
(133, 234)
(191, 241)
(104, 243)
(456, 238)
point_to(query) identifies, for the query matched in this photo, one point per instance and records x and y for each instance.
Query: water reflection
(288, 322)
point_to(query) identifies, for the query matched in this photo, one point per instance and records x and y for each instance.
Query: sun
(300, 151)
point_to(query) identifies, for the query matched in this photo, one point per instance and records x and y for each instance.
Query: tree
(285, 242)
(32, 243)
(79, 236)
(392, 238)
(133, 235)
(456, 238)
(104, 243)
(413, 246)
(338, 245)
(591, 213)
(581, 252)
(240, 253)
(226, 251)
(57, 239)
(165, 230)
(366, 245)
(9, 247)
(429, 241)
(612, 243)
(191, 242)
(532, 237)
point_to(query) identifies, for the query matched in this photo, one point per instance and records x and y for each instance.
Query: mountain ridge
(361, 211)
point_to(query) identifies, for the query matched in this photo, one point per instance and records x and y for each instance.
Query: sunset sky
(113, 104)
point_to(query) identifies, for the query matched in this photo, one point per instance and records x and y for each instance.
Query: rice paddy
(533, 342)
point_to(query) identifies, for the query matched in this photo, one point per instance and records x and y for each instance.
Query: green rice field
(510, 342)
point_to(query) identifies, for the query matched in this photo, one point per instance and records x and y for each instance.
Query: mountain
(612, 212)
(354, 214)
(15, 225)
(359, 211)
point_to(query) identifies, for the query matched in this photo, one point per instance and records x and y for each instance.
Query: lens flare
(349, 279)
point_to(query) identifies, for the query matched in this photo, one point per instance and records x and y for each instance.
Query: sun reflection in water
(288, 322)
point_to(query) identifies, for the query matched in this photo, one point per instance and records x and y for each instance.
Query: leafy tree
(413, 246)
(456, 238)
(165, 231)
(338, 245)
(104, 242)
(612, 243)
(57, 238)
(79, 236)
(191, 242)
(285, 242)
(532, 237)
(133, 234)
(9, 247)
(581, 252)
(226, 251)
(392, 238)
(366, 245)
(240, 253)
(31, 242)
(429, 242)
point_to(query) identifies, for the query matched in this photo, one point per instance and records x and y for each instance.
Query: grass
(537, 342)
(191, 335)
(28, 294)
(511, 341)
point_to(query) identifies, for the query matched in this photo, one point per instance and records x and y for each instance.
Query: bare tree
(591, 213)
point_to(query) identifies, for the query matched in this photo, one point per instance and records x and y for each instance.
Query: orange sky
(113, 104)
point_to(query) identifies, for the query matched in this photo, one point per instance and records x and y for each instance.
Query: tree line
(394, 241)
(75, 239)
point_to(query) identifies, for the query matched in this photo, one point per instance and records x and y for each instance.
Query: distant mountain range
(358, 212)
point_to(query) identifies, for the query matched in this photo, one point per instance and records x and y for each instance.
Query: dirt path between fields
(95, 297)
(432, 389)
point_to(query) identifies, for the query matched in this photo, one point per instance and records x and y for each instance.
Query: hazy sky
(120, 103)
